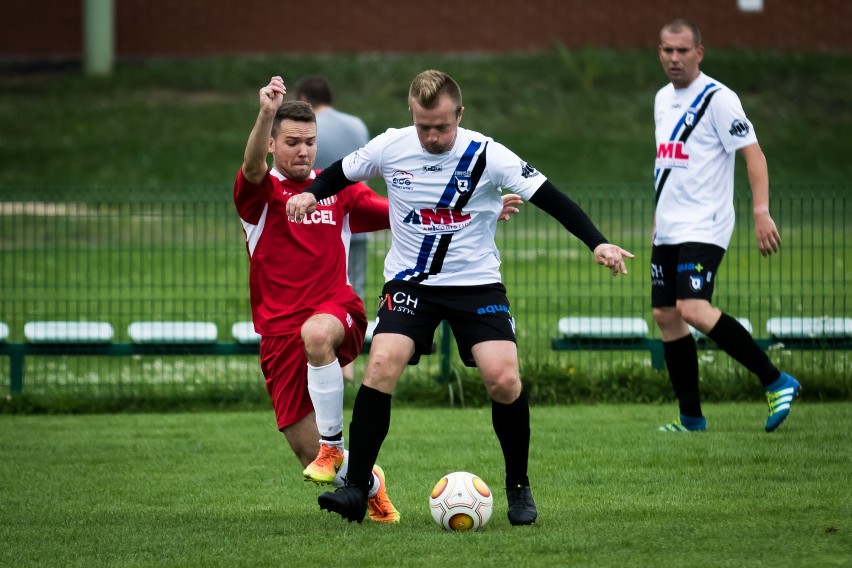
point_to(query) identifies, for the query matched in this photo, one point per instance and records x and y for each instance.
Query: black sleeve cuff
(566, 211)
(330, 181)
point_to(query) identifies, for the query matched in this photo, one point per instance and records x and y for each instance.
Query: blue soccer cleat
(685, 424)
(780, 395)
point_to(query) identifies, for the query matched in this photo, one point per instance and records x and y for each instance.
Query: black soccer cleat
(348, 502)
(522, 509)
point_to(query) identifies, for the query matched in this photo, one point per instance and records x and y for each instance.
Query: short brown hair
(429, 85)
(313, 89)
(298, 111)
(678, 25)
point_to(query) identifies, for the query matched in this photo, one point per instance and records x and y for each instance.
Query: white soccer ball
(461, 501)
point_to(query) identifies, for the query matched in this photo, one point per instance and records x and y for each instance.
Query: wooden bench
(70, 338)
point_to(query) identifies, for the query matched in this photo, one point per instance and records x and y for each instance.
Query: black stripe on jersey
(437, 259)
(475, 176)
(444, 241)
(683, 137)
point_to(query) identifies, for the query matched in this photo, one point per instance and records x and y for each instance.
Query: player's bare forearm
(254, 160)
(768, 238)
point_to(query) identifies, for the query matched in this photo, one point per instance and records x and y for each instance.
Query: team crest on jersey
(696, 283)
(527, 171)
(328, 201)
(462, 184)
(690, 116)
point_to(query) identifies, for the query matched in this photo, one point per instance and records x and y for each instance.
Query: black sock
(682, 363)
(736, 341)
(367, 430)
(512, 425)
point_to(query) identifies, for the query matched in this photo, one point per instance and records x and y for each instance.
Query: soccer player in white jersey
(444, 185)
(700, 126)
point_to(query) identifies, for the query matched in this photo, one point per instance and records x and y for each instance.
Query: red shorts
(285, 366)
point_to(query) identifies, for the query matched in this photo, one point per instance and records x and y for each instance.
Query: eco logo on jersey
(437, 220)
(402, 180)
(671, 155)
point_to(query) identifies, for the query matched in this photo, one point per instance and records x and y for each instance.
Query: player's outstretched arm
(566, 211)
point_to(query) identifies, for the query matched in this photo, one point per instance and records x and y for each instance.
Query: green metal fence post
(16, 368)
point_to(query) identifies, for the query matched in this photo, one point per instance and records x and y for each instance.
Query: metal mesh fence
(122, 257)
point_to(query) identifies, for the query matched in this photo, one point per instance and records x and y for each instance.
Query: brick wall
(51, 29)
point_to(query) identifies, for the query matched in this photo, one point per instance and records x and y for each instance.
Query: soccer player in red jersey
(308, 316)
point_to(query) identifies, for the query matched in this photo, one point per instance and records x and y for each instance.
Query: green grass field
(222, 489)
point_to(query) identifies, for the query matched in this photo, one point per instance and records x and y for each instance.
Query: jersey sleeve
(734, 129)
(369, 211)
(365, 163)
(511, 173)
(251, 198)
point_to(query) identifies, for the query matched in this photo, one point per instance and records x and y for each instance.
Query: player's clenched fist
(272, 95)
(300, 205)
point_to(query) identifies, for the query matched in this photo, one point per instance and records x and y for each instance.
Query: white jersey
(443, 207)
(698, 131)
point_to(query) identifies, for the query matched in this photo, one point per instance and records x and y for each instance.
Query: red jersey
(294, 267)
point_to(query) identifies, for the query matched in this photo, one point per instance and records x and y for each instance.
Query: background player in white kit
(700, 125)
(338, 134)
(444, 185)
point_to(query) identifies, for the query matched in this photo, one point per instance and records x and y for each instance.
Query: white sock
(325, 386)
(341, 475)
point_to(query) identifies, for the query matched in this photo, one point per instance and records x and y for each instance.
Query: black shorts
(683, 272)
(475, 314)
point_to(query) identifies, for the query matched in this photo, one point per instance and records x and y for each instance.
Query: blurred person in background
(338, 134)
(700, 127)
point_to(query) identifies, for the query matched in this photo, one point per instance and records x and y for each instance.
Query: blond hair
(429, 85)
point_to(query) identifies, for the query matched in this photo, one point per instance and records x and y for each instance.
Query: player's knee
(319, 344)
(665, 316)
(504, 387)
(691, 312)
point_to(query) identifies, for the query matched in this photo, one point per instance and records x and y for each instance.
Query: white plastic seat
(4, 331)
(603, 328)
(243, 332)
(164, 332)
(68, 332)
(809, 327)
